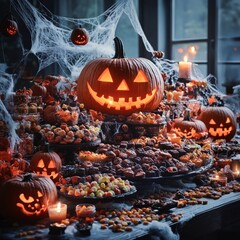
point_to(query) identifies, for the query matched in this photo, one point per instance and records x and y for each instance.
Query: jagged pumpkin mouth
(220, 131)
(52, 175)
(122, 103)
(34, 210)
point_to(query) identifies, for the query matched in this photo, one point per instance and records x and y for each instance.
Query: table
(198, 222)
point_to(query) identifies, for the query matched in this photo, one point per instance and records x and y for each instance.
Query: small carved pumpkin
(46, 163)
(220, 121)
(27, 197)
(120, 85)
(9, 27)
(80, 36)
(188, 127)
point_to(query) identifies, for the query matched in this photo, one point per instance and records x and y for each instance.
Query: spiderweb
(50, 35)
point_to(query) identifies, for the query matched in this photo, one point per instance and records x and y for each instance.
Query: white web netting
(50, 35)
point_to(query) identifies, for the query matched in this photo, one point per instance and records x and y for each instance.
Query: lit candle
(218, 179)
(236, 173)
(57, 212)
(185, 68)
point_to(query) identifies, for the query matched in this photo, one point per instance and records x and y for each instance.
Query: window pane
(229, 21)
(80, 8)
(194, 51)
(228, 76)
(229, 50)
(127, 34)
(202, 68)
(189, 19)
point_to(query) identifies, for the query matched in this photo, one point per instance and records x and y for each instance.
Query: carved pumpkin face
(120, 85)
(80, 36)
(220, 121)
(46, 164)
(31, 205)
(27, 197)
(9, 27)
(189, 128)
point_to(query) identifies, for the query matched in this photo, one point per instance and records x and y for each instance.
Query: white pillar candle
(185, 68)
(57, 212)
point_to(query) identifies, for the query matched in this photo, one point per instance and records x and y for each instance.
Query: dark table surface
(197, 222)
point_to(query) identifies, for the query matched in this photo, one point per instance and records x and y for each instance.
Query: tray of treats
(92, 189)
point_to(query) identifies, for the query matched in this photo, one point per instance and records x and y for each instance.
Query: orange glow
(141, 77)
(51, 164)
(105, 76)
(192, 50)
(123, 86)
(180, 50)
(41, 164)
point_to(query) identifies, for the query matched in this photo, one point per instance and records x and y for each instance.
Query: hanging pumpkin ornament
(8, 26)
(120, 85)
(27, 197)
(46, 163)
(220, 121)
(189, 128)
(80, 36)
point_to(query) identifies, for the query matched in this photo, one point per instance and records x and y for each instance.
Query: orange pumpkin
(190, 128)
(8, 26)
(27, 197)
(220, 121)
(79, 36)
(46, 163)
(120, 85)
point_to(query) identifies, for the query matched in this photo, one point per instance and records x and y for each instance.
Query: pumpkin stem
(119, 53)
(27, 177)
(187, 116)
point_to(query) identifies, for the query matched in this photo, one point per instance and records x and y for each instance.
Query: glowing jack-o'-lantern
(220, 121)
(8, 27)
(27, 197)
(80, 36)
(188, 127)
(120, 85)
(46, 164)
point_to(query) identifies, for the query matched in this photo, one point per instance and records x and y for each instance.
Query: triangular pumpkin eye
(51, 164)
(141, 77)
(25, 200)
(41, 164)
(228, 120)
(39, 194)
(212, 122)
(105, 76)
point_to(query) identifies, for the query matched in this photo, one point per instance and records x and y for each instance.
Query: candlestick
(185, 69)
(57, 212)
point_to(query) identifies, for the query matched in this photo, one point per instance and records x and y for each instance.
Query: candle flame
(185, 58)
(193, 50)
(58, 207)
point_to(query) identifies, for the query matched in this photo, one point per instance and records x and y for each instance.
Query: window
(208, 31)
(93, 8)
(190, 32)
